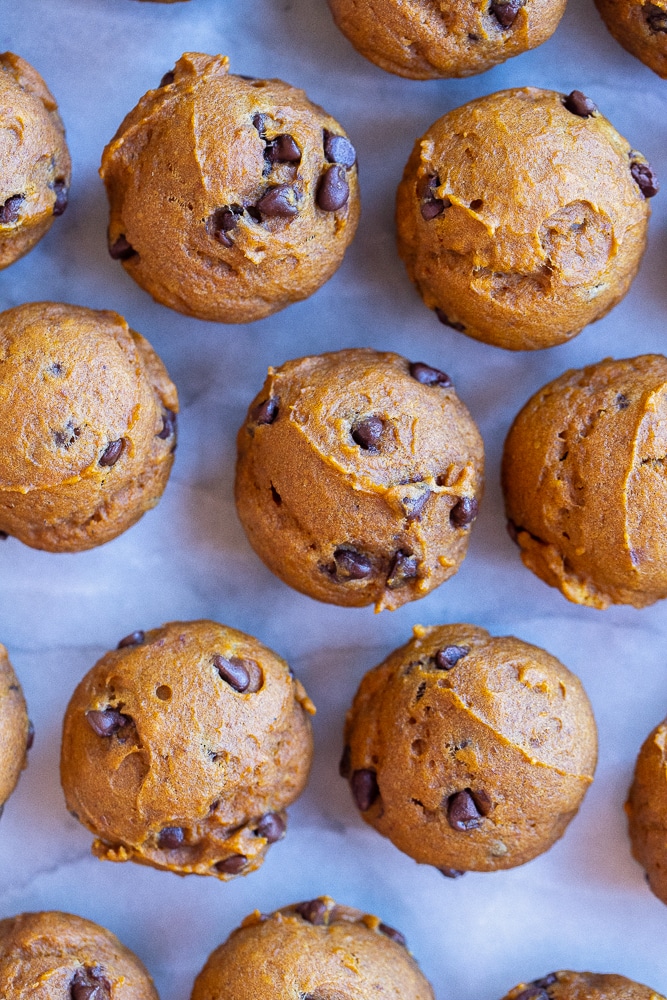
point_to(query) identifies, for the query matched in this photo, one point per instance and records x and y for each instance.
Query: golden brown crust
(640, 26)
(646, 809)
(192, 753)
(307, 491)
(584, 483)
(540, 227)
(14, 728)
(197, 149)
(566, 985)
(458, 715)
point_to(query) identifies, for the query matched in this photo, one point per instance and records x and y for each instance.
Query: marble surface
(585, 904)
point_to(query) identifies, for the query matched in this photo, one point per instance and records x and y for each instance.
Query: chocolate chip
(121, 249)
(451, 872)
(272, 827)
(108, 722)
(656, 17)
(3, 536)
(351, 565)
(545, 981)
(414, 506)
(67, 437)
(233, 865)
(266, 411)
(645, 178)
(505, 11)
(259, 122)
(90, 983)
(333, 191)
(392, 933)
(222, 221)
(464, 512)
(168, 425)
(30, 739)
(367, 433)
(112, 452)
(62, 195)
(170, 838)
(338, 149)
(313, 910)
(168, 78)
(431, 206)
(279, 203)
(446, 321)
(482, 800)
(365, 788)
(579, 104)
(429, 376)
(404, 566)
(133, 639)
(233, 671)
(462, 813)
(532, 993)
(283, 149)
(449, 656)
(9, 213)
(345, 766)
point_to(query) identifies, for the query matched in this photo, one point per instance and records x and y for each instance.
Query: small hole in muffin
(476, 204)
(277, 499)
(163, 692)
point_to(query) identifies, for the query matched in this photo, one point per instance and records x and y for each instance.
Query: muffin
(91, 446)
(584, 484)
(359, 475)
(437, 40)
(182, 748)
(640, 26)
(16, 731)
(582, 986)
(469, 752)
(230, 196)
(315, 949)
(522, 217)
(646, 809)
(49, 956)
(35, 168)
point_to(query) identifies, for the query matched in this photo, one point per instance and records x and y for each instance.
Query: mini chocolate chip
(505, 11)
(351, 565)
(645, 178)
(279, 203)
(532, 993)
(168, 78)
(345, 767)
(283, 149)
(168, 425)
(222, 221)
(365, 790)
(90, 983)
(449, 656)
(451, 872)
(122, 249)
(404, 566)
(338, 149)
(392, 933)
(622, 401)
(414, 506)
(62, 194)
(313, 910)
(656, 17)
(429, 376)
(446, 321)
(462, 813)
(133, 639)
(233, 671)
(431, 206)
(259, 122)
(579, 104)
(545, 981)
(333, 191)
(9, 213)
(272, 827)
(266, 411)
(170, 838)
(112, 452)
(233, 865)
(30, 739)
(367, 433)
(107, 722)
(464, 512)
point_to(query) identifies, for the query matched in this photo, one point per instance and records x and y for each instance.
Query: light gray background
(584, 905)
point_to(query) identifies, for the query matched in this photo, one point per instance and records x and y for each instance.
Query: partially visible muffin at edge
(568, 985)
(640, 26)
(646, 810)
(16, 731)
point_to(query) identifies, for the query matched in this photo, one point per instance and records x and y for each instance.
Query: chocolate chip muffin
(426, 41)
(640, 26)
(35, 168)
(50, 956)
(584, 483)
(359, 475)
(522, 217)
(646, 809)
(469, 752)
(90, 448)
(582, 986)
(231, 197)
(182, 748)
(315, 949)
(16, 732)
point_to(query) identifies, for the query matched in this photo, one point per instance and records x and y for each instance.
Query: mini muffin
(640, 26)
(646, 809)
(359, 476)
(16, 732)
(582, 986)
(182, 748)
(316, 950)
(35, 168)
(584, 483)
(469, 752)
(522, 217)
(90, 448)
(230, 197)
(52, 956)
(426, 41)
